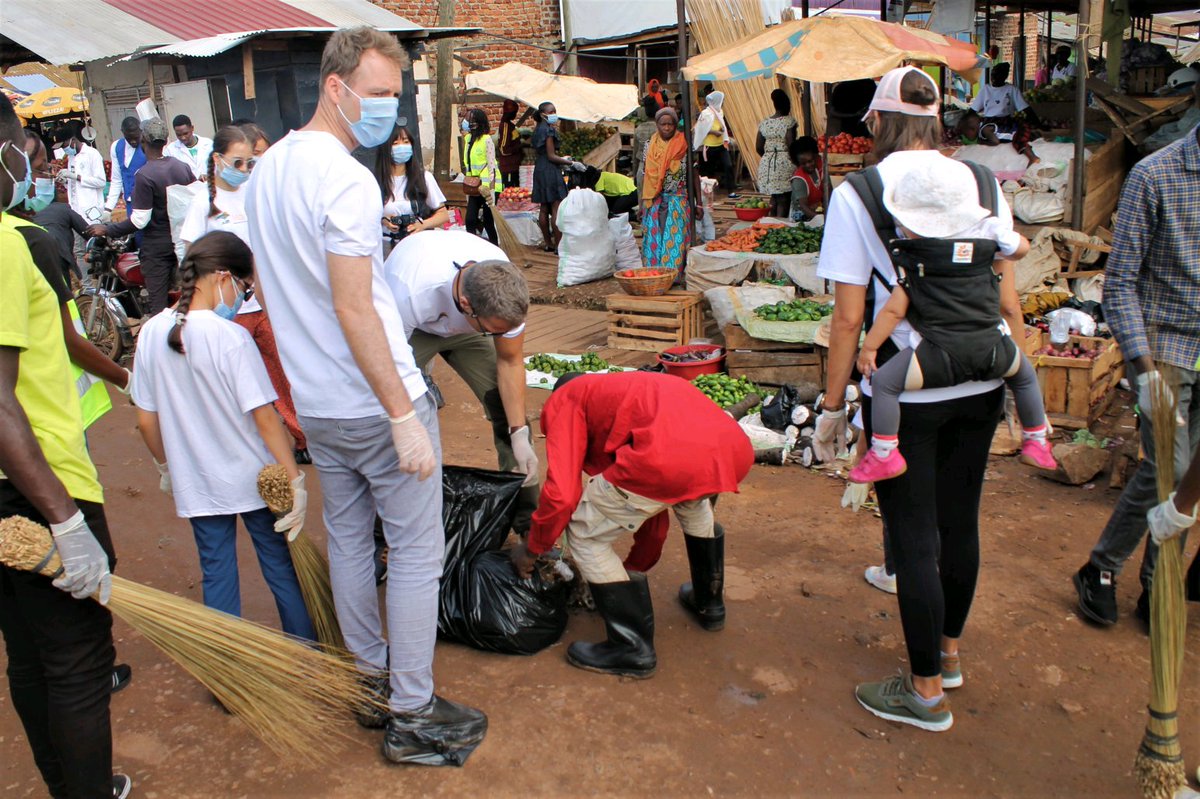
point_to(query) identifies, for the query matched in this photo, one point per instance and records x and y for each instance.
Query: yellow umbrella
(53, 102)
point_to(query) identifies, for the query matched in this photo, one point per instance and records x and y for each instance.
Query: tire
(100, 326)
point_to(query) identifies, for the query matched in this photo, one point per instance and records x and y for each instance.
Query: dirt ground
(1051, 705)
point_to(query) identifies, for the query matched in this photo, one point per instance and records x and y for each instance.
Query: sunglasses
(238, 163)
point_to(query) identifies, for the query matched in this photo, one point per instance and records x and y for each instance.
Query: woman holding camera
(412, 200)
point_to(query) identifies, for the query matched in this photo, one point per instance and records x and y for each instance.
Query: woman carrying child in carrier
(949, 291)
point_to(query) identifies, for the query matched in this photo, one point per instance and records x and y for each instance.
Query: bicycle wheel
(100, 325)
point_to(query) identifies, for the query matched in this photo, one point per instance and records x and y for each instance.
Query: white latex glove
(527, 460)
(1166, 521)
(67, 174)
(164, 479)
(85, 565)
(855, 495)
(1147, 390)
(413, 447)
(579, 166)
(128, 385)
(829, 437)
(293, 522)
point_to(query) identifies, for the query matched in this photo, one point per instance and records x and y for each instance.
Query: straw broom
(1159, 763)
(312, 568)
(292, 697)
(516, 251)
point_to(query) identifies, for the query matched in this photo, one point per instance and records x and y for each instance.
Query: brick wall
(1005, 30)
(534, 21)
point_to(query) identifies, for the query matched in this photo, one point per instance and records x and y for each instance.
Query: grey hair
(496, 289)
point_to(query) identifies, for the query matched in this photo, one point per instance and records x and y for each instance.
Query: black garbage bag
(777, 414)
(483, 603)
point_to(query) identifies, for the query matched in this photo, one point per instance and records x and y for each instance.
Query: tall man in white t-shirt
(461, 299)
(372, 427)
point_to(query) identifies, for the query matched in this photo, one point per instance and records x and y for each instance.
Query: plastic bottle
(1060, 332)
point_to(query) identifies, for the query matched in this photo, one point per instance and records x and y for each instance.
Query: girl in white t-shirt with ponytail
(205, 412)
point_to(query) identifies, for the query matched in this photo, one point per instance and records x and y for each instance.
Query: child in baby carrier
(949, 292)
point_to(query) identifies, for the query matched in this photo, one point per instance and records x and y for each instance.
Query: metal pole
(685, 120)
(806, 109)
(883, 10)
(1081, 66)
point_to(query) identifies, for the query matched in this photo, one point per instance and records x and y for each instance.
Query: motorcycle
(116, 296)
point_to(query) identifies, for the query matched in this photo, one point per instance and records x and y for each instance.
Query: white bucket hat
(937, 198)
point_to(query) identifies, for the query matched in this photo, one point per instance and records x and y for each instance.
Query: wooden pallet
(1077, 392)
(651, 324)
(774, 363)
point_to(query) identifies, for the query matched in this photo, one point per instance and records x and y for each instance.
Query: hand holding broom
(84, 570)
(292, 521)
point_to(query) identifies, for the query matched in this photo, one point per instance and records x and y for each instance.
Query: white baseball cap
(887, 95)
(937, 199)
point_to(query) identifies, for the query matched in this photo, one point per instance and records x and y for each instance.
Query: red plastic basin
(693, 369)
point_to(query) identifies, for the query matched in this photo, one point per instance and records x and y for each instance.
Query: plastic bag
(628, 254)
(179, 198)
(778, 412)
(587, 251)
(1068, 319)
(482, 602)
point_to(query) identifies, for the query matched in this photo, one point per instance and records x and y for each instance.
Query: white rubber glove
(128, 383)
(164, 479)
(1147, 391)
(856, 495)
(829, 437)
(527, 460)
(579, 166)
(67, 174)
(293, 522)
(413, 447)
(1166, 521)
(85, 564)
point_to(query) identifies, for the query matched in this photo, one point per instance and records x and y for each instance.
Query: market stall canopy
(1191, 56)
(53, 102)
(830, 49)
(580, 99)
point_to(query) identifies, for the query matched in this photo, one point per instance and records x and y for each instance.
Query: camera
(401, 221)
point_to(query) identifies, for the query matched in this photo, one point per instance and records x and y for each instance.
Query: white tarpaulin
(580, 99)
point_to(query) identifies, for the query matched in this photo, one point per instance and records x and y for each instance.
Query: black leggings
(622, 204)
(932, 517)
(478, 213)
(510, 180)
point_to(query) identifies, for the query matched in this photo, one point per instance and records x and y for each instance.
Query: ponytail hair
(540, 114)
(219, 251)
(225, 138)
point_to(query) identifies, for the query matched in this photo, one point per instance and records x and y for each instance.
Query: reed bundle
(717, 24)
(310, 563)
(1159, 764)
(294, 698)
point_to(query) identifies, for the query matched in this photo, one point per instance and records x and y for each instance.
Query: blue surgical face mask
(43, 195)
(552, 119)
(225, 311)
(376, 118)
(466, 126)
(401, 153)
(70, 150)
(20, 187)
(234, 177)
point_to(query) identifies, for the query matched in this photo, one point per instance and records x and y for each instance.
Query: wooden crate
(773, 363)
(651, 324)
(1146, 80)
(1077, 392)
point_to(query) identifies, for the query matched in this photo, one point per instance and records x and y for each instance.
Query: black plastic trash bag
(777, 414)
(483, 603)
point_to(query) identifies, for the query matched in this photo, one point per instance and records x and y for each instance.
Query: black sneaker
(1142, 609)
(121, 675)
(375, 715)
(1097, 594)
(122, 785)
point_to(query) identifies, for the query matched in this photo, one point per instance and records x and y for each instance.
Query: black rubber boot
(442, 733)
(629, 622)
(704, 596)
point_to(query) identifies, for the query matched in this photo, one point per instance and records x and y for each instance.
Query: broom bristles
(292, 697)
(1159, 764)
(275, 488)
(312, 572)
(516, 251)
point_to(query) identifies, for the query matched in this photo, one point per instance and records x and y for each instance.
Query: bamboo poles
(716, 24)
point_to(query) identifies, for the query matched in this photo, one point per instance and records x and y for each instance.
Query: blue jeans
(216, 539)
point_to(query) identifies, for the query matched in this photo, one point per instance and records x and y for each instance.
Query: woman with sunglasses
(223, 208)
(205, 413)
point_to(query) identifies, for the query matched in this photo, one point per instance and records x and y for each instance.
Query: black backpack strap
(869, 187)
(987, 186)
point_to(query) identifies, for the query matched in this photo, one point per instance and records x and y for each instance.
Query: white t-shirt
(1059, 73)
(307, 197)
(851, 247)
(400, 205)
(198, 161)
(231, 217)
(203, 399)
(421, 271)
(998, 101)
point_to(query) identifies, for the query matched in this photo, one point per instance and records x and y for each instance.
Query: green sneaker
(894, 700)
(951, 672)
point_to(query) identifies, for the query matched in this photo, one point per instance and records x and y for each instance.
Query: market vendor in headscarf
(666, 218)
(710, 138)
(654, 89)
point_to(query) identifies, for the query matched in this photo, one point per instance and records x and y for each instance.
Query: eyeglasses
(247, 291)
(483, 330)
(238, 163)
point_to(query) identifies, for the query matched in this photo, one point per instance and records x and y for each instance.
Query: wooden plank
(739, 358)
(641, 333)
(605, 153)
(737, 338)
(1078, 393)
(248, 90)
(1054, 389)
(622, 343)
(645, 321)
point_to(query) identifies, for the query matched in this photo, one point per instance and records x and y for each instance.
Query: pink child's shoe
(1036, 452)
(872, 468)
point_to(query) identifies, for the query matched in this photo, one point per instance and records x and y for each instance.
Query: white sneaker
(878, 577)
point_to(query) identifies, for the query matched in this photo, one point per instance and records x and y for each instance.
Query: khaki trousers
(605, 512)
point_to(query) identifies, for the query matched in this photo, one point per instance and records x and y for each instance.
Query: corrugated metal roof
(99, 29)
